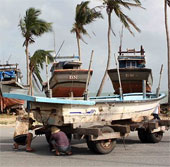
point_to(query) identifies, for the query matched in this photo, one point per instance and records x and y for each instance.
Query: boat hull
(105, 110)
(68, 82)
(131, 79)
(96, 111)
(8, 102)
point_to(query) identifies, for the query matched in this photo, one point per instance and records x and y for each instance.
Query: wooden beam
(121, 128)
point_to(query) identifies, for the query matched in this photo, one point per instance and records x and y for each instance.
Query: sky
(61, 14)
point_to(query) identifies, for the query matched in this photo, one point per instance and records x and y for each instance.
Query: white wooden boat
(95, 111)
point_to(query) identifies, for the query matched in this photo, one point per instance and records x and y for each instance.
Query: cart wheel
(147, 137)
(105, 146)
(143, 135)
(155, 137)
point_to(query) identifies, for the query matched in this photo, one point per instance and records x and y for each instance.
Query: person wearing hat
(22, 136)
(60, 141)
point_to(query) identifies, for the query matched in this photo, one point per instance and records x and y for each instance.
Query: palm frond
(84, 15)
(168, 2)
(32, 26)
(116, 6)
(37, 61)
(36, 82)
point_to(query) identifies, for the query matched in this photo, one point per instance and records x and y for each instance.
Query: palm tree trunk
(27, 62)
(168, 48)
(109, 55)
(30, 84)
(78, 44)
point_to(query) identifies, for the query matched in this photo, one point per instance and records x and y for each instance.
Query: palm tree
(32, 26)
(167, 3)
(115, 5)
(36, 63)
(84, 15)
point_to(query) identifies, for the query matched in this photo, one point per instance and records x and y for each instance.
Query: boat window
(131, 64)
(128, 64)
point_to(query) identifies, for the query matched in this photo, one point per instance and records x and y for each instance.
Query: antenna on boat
(158, 88)
(88, 77)
(54, 44)
(118, 73)
(8, 59)
(59, 49)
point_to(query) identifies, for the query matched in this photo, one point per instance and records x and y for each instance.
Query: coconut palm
(36, 63)
(167, 3)
(84, 16)
(115, 6)
(31, 26)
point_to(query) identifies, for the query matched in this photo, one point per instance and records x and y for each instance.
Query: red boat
(132, 72)
(67, 79)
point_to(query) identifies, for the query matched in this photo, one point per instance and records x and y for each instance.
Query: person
(60, 141)
(22, 136)
(156, 112)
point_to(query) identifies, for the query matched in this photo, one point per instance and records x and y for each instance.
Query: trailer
(99, 120)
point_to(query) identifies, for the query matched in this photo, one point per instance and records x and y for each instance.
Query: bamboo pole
(158, 88)
(88, 77)
(118, 73)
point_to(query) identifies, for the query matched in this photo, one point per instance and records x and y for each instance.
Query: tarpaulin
(7, 102)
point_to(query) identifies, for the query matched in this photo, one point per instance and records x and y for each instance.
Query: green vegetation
(36, 63)
(84, 16)
(31, 26)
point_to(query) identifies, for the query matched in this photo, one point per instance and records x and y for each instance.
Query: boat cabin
(65, 65)
(131, 58)
(9, 72)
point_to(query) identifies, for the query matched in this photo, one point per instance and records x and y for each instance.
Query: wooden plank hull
(67, 82)
(131, 79)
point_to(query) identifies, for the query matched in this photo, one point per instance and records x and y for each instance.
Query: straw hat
(54, 129)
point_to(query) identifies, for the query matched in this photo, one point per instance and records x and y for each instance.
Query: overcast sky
(61, 13)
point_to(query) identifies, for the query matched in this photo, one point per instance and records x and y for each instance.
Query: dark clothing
(21, 139)
(156, 116)
(60, 139)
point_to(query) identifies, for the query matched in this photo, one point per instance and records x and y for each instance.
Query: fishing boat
(132, 72)
(11, 82)
(96, 110)
(67, 79)
(99, 120)
(11, 79)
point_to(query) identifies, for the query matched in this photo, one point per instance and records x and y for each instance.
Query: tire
(91, 145)
(143, 135)
(155, 137)
(147, 137)
(105, 146)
